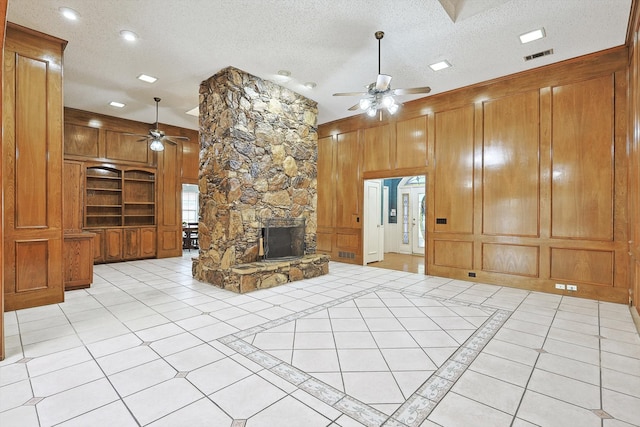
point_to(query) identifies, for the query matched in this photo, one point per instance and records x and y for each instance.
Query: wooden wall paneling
(96, 137)
(376, 149)
(582, 170)
(511, 259)
(73, 200)
(621, 179)
(190, 161)
(169, 202)
(347, 181)
(33, 169)
(575, 266)
(453, 170)
(3, 22)
(453, 253)
(326, 182)
(545, 176)
(510, 167)
(80, 140)
(411, 143)
(544, 83)
(119, 146)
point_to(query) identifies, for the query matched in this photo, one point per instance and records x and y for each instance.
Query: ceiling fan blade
(184, 138)
(136, 134)
(169, 140)
(355, 107)
(412, 90)
(350, 94)
(382, 83)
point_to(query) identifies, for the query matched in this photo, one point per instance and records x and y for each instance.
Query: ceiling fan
(156, 136)
(379, 95)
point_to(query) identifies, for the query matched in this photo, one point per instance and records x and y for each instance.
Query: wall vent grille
(348, 255)
(538, 55)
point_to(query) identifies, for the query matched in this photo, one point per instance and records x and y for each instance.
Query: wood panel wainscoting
(32, 180)
(526, 174)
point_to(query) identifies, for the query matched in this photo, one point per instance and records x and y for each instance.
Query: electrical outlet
(560, 286)
(572, 287)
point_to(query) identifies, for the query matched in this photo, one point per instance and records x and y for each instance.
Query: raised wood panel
(582, 163)
(452, 253)
(131, 248)
(98, 246)
(167, 240)
(190, 161)
(411, 142)
(453, 175)
(510, 173)
(511, 259)
(324, 242)
(148, 242)
(31, 256)
(347, 241)
(72, 203)
(376, 149)
(31, 148)
(582, 266)
(80, 140)
(126, 147)
(113, 244)
(326, 182)
(347, 181)
(3, 20)
(170, 200)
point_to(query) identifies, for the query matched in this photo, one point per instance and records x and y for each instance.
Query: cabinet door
(98, 246)
(113, 244)
(148, 242)
(131, 243)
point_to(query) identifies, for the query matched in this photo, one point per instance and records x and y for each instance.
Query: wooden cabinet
(120, 208)
(32, 168)
(78, 263)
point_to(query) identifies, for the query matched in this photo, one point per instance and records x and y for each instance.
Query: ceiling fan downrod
(379, 35)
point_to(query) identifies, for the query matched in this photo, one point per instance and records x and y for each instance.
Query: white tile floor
(148, 345)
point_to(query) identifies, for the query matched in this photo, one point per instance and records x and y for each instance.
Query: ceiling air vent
(538, 55)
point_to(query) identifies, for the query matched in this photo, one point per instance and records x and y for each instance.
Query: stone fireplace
(258, 155)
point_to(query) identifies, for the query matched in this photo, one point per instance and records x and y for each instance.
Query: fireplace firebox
(283, 238)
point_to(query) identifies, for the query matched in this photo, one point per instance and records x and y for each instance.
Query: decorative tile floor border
(417, 407)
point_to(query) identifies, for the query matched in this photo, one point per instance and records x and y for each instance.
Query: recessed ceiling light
(284, 73)
(129, 36)
(532, 35)
(194, 112)
(310, 85)
(440, 65)
(146, 78)
(69, 13)
(116, 104)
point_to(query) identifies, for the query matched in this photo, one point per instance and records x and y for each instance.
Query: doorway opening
(394, 235)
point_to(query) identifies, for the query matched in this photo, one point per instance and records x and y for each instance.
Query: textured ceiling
(330, 42)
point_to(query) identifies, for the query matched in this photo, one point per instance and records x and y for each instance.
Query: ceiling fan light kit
(156, 136)
(379, 96)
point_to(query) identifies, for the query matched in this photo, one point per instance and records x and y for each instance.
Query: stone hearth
(258, 160)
